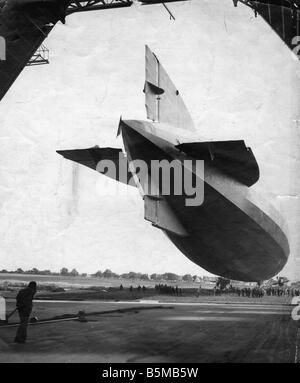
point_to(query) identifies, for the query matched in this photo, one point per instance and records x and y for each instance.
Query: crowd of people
(168, 290)
(160, 289)
(260, 291)
(290, 292)
(139, 288)
(250, 292)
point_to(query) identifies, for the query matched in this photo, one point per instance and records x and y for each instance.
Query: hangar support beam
(283, 16)
(95, 5)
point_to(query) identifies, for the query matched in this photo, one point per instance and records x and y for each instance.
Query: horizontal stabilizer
(231, 157)
(108, 161)
(159, 213)
(91, 156)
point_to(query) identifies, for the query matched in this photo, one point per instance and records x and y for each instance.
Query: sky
(237, 79)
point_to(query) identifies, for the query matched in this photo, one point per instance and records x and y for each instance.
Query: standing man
(2, 309)
(24, 306)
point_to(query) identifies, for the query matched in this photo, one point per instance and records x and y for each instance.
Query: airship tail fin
(162, 99)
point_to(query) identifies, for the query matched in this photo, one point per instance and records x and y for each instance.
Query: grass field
(91, 288)
(68, 281)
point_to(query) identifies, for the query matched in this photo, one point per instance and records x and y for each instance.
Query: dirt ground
(157, 332)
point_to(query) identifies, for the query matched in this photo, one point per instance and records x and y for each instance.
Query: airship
(196, 190)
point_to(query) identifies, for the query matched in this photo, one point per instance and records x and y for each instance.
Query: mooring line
(77, 317)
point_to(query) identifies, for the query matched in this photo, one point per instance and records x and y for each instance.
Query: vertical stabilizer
(163, 101)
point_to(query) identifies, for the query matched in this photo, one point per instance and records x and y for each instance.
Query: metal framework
(282, 15)
(293, 4)
(95, 5)
(40, 57)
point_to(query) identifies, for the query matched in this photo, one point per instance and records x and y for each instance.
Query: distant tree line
(64, 271)
(171, 277)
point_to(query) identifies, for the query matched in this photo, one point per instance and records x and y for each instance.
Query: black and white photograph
(149, 184)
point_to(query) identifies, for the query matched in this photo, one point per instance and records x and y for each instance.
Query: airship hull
(229, 237)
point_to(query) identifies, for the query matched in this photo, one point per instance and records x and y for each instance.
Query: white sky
(226, 64)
